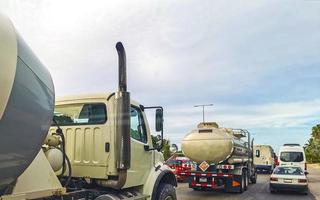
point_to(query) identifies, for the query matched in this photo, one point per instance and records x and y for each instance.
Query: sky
(257, 62)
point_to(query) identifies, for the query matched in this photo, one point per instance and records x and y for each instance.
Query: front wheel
(166, 192)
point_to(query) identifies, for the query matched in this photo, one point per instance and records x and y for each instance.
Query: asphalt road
(260, 190)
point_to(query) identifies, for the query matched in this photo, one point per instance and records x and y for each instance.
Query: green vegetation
(312, 148)
(156, 141)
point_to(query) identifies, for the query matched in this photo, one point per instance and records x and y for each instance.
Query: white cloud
(180, 53)
(270, 115)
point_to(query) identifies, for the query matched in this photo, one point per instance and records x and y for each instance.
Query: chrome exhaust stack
(122, 115)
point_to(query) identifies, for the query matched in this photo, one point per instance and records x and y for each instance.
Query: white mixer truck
(99, 147)
(224, 159)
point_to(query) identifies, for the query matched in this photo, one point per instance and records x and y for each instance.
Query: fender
(160, 173)
(166, 176)
(238, 170)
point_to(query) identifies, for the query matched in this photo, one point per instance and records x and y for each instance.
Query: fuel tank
(215, 145)
(26, 104)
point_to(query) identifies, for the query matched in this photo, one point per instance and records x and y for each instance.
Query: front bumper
(289, 187)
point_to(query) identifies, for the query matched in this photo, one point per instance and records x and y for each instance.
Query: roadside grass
(315, 165)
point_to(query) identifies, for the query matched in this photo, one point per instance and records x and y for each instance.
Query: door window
(258, 153)
(138, 130)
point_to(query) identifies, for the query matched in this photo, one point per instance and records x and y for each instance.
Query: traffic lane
(260, 190)
(314, 180)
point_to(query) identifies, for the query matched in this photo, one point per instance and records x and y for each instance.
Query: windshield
(288, 171)
(291, 156)
(78, 114)
(174, 162)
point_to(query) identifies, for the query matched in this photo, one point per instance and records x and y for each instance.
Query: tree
(156, 141)
(312, 147)
(316, 131)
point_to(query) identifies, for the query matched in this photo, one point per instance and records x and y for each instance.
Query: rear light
(305, 166)
(302, 180)
(273, 179)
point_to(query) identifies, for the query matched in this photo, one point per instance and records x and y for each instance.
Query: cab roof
(71, 98)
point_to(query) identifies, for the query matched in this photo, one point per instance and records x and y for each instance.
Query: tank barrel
(26, 104)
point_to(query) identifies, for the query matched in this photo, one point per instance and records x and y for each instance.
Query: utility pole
(203, 105)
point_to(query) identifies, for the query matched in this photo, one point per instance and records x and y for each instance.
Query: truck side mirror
(174, 148)
(159, 120)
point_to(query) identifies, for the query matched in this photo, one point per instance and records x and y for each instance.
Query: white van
(263, 158)
(292, 155)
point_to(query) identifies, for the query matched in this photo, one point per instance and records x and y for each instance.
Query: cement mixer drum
(26, 104)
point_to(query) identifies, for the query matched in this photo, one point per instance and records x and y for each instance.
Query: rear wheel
(242, 183)
(166, 192)
(246, 181)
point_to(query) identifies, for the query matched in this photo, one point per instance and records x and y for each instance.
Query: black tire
(196, 189)
(254, 178)
(246, 180)
(242, 183)
(166, 192)
(272, 191)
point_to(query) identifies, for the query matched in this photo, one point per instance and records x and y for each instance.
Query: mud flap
(233, 184)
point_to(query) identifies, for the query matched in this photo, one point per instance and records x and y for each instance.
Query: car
(179, 165)
(290, 178)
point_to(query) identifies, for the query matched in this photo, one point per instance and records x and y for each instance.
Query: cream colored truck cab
(101, 151)
(88, 124)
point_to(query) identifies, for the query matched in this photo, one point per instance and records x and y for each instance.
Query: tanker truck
(89, 147)
(224, 158)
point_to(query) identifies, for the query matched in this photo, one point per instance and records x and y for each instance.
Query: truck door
(140, 158)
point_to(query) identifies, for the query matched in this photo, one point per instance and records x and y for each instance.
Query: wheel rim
(243, 182)
(168, 198)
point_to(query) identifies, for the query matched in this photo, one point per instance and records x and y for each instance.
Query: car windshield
(174, 162)
(288, 171)
(291, 156)
(78, 114)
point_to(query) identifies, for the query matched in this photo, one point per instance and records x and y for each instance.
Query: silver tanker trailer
(224, 158)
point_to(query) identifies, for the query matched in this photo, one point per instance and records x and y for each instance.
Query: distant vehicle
(264, 158)
(180, 165)
(288, 178)
(292, 155)
(224, 158)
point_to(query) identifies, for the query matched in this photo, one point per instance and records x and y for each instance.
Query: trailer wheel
(166, 192)
(242, 184)
(246, 180)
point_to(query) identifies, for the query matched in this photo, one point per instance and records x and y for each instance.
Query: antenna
(203, 105)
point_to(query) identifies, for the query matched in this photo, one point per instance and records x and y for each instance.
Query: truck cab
(98, 146)
(264, 158)
(88, 123)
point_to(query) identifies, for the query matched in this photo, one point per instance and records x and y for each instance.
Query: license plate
(287, 181)
(203, 180)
